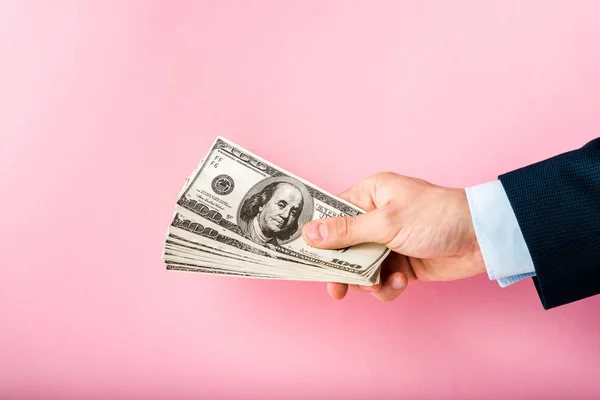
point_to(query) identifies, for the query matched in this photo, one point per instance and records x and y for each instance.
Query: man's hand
(427, 227)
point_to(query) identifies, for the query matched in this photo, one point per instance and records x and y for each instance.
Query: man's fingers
(360, 195)
(392, 287)
(339, 232)
(396, 272)
(337, 290)
(395, 262)
(372, 288)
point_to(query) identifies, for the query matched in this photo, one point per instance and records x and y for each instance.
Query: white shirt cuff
(502, 245)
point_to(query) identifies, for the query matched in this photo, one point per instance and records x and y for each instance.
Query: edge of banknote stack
(239, 215)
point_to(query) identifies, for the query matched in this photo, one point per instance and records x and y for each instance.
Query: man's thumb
(340, 232)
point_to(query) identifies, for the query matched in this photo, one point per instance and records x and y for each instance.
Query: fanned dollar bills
(240, 215)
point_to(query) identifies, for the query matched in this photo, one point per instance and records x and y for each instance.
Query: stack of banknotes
(240, 215)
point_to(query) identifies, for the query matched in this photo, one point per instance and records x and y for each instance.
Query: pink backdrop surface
(106, 106)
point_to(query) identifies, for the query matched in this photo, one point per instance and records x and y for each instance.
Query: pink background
(106, 106)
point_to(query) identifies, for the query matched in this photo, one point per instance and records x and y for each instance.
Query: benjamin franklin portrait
(275, 210)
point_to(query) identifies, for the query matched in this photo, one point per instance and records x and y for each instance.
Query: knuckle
(385, 175)
(389, 213)
(389, 175)
(389, 223)
(344, 228)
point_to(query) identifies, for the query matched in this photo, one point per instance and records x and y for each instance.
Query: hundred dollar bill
(209, 270)
(192, 228)
(186, 233)
(245, 198)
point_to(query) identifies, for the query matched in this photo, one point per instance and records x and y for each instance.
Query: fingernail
(397, 283)
(316, 231)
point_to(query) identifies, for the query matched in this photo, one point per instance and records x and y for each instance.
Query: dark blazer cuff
(557, 205)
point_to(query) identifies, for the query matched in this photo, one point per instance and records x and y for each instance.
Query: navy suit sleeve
(557, 205)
